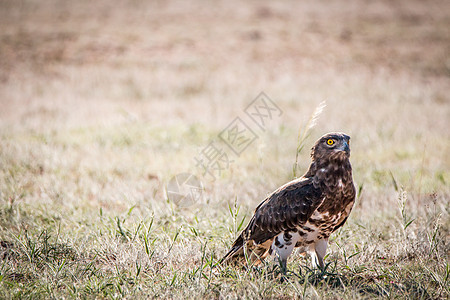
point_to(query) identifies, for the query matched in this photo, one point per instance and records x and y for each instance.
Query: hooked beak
(345, 148)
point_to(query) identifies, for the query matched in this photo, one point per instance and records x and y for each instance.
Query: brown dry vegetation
(102, 102)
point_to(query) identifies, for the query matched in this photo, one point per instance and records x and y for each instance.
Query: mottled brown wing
(285, 209)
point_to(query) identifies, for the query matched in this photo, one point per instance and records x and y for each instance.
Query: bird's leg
(283, 245)
(314, 259)
(320, 251)
(283, 265)
(319, 261)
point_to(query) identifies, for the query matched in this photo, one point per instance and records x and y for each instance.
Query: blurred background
(107, 93)
(103, 102)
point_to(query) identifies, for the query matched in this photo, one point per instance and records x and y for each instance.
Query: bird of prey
(304, 212)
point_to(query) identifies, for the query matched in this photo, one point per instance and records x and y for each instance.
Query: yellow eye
(330, 142)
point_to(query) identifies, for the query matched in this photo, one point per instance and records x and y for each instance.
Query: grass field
(102, 103)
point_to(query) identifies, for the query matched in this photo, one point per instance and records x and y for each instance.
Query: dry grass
(103, 102)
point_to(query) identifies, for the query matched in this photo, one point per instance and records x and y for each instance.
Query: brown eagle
(304, 212)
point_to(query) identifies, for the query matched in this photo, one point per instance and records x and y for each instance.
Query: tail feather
(235, 250)
(256, 253)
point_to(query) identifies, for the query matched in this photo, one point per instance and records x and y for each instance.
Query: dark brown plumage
(304, 212)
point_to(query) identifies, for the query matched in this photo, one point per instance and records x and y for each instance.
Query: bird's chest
(338, 192)
(322, 223)
(325, 220)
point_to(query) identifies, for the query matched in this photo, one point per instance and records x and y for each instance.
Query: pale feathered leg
(283, 245)
(318, 253)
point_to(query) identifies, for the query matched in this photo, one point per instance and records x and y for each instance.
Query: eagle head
(333, 145)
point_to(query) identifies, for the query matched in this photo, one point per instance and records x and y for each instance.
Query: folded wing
(285, 209)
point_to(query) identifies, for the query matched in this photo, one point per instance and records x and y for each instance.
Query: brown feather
(327, 186)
